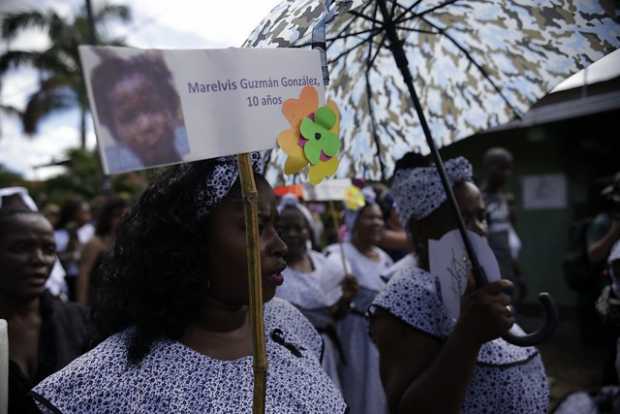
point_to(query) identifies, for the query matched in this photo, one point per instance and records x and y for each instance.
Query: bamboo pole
(332, 210)
(255, 292)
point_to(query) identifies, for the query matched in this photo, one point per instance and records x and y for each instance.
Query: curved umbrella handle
(546, 330)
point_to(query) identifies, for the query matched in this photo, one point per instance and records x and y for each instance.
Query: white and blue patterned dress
(507, 379)
(360, 379)
(313, 293)
(173, 378)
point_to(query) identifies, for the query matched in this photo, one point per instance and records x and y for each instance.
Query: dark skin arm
(599, 250)
(350, 288)
(416, 367)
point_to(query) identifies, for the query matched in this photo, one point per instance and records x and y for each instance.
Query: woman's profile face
(472, 207)
(227, 270)
(293, 229)
(27, 254)
(370, 225)
(141, 119)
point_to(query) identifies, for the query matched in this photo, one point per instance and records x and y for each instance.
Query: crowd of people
(145, 307)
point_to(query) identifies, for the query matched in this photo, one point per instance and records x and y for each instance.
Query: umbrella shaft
(398, 52)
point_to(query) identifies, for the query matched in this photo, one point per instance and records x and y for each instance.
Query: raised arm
(421, 373)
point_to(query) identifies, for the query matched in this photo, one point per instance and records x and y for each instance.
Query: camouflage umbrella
(475, 63)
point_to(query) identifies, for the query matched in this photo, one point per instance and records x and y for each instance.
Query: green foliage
(82, 177)
(9, 178)
(61, 86)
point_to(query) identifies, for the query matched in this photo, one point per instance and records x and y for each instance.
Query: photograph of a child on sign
(137, 102)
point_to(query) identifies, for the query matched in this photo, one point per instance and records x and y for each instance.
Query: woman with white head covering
(429, 361)
(19, 196)
(174, 299)
(315, 284)
(360, 378)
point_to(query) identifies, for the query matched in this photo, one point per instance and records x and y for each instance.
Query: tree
(82, 177)
(9, 178)
(61, 85)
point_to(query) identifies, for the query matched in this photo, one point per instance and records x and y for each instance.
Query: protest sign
(450, 265)
(161, 107)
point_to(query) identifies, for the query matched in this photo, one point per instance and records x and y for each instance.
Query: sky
(156, 24)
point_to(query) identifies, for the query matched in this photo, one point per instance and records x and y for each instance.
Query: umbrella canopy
(496, 58)
(476, 64)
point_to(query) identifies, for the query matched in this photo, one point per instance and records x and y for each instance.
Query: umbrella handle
(543, 332)
(551, 319)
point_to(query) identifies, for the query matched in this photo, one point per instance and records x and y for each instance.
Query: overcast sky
(156, 24)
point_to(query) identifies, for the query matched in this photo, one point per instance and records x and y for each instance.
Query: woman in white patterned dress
(360, 379)
(315, 284)
(174, 300)
(430, 362)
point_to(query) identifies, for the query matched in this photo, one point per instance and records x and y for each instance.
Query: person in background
(102, 242)
(431, 363)
(45, 334)
(19, 198)
(51, 212)
(173, 303)
(394, 241)
(498, 165)
(602, 233)
(71, 233)
(408, 161)
(360, 378)
(315, 284)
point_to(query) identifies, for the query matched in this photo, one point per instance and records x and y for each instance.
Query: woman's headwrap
(418, 191)
(20, 192)
(351, 216)
(290, 201)
(218, 181)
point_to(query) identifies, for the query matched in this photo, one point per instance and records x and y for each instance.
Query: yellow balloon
(353, 198)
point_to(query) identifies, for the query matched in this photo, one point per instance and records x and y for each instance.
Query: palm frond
(10, 110)
(16, 58)
(42, 104)
(13, 23)
(113, 11)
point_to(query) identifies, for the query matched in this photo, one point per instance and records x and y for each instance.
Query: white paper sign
(327, 190)
(161, 107)
(544, 191)
(450, 265)
(4, 367)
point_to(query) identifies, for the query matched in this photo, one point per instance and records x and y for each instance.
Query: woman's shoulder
(318, 258)
(84, 377)
(281, 315)
(94, 245)
(385, 258)
(71, 320)
(412, 295)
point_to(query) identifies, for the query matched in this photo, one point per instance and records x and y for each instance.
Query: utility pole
(92, 38)
(106, 183)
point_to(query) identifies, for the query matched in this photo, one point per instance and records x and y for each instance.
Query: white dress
(173, 378)
(313, 293)
(361, 383)
(507, 379)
